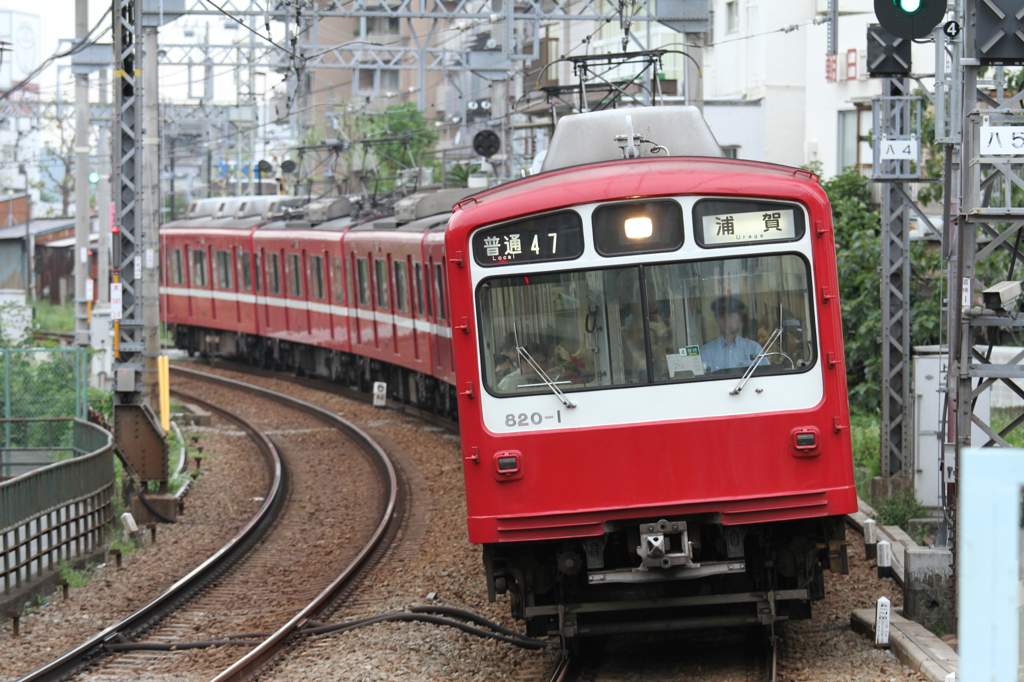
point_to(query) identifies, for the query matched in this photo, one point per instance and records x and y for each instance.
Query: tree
(61, 151)
(398, 138)
(857, 227)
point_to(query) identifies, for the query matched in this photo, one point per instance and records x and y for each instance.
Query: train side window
(295, 275)
(339, 282)
(224, 269)
(246, 271)
(177, 267)
(364, 281)
(439, 288)
(274, 274)
(380, 267)
(419, 287)
(199, 268)
(401, 286)
(316, 272)
(258, 272)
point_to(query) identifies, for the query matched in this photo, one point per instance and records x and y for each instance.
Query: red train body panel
(771, 482)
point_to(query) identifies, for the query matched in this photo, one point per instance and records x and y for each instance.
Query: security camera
(1002, 297)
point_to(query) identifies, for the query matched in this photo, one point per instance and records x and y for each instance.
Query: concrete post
(150, 217)
(103, 205)
(81, 184)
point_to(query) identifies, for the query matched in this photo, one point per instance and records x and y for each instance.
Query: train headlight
(639, 228)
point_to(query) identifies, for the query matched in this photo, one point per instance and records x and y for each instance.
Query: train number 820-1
(523, 419)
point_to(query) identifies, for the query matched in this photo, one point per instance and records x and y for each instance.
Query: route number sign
(1002, 140)
(898, 150)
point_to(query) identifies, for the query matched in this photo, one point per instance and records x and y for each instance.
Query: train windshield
(659, 323)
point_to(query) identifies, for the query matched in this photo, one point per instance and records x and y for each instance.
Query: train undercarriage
(668, 574)
(404, 386)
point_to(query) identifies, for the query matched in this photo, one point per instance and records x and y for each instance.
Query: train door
(339, 296)
(382, 307)
(365, 330)
(406, 335)
(277, 316)
(319, 310)
(421, 316)
(384, 316)
(177, 289)
(200, 292)
(444, 359)
(246, 300)
(225, 300)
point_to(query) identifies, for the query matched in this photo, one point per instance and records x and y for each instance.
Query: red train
(645, 344)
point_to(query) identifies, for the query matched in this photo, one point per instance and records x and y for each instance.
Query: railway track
(269, 560)
(726, 656)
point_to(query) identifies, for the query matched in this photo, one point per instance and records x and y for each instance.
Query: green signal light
(908, 6)
(94, 177)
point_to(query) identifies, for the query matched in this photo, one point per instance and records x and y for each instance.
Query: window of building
(732, 16)
(401, 287)
(847, 140)
(199, 268)
(224, 269)
(380, 267)
(295, 275)
(731, 151)
(389, 79)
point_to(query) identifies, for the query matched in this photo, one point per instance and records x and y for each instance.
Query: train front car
(651, 385)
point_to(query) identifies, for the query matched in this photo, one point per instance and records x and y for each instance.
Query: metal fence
(39, 383)
(59, 511)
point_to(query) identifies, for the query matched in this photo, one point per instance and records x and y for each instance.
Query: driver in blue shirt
(730, 350)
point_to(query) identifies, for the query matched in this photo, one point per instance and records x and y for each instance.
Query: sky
(58, 22)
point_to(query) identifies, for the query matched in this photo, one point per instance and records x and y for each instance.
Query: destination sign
(557, 236)
(734, 228)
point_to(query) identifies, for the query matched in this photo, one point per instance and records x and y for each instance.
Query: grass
(899, 509)
(54, 318)
(864, 434)
(75, 577)
(1001, 418)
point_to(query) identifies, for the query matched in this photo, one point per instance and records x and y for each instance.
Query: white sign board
(149, 259)
(688, 360)
(883, 611)
(1002, 140)
(380, 393)
(89, 289)
(115, 300)
(737, 228)
(898, 150)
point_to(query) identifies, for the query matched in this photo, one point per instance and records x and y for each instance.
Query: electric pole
(81, 184)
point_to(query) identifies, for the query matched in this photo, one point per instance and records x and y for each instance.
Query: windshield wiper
(525, 355)
(757, 361)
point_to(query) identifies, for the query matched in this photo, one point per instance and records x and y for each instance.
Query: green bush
(54, 318)
(864, 434)
(899, 509)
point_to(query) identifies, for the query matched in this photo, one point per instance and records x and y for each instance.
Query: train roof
(648, 177)
(636, 132)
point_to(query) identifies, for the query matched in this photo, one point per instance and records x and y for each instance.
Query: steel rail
(249, 664)
(171, 598)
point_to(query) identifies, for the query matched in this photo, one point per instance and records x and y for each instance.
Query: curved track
(257, 547)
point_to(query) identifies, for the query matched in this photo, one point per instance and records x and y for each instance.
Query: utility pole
(103, 204)
(81, 183)
(150, 214)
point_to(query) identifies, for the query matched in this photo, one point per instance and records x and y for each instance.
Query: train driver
(730, 349)
(543, 353)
